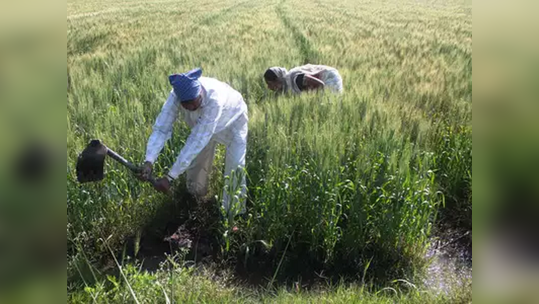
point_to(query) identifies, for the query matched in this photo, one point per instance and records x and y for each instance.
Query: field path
(308, 52)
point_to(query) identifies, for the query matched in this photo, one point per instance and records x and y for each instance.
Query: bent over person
(216, 113)
(308, 77)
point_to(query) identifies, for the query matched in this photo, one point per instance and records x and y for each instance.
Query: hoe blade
(91, 162)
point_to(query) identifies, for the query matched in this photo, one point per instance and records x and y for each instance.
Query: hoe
(91, 162)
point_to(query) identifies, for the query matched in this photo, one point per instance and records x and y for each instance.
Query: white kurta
(221, 118)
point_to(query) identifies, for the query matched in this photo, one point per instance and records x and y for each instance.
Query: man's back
(221, 92)
(218, 97)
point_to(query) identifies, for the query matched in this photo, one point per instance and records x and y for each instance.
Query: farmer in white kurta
(216, 113)
(308, 77)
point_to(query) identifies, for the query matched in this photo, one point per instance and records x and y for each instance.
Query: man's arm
(162, 129)
(312, 82)
(200, 136)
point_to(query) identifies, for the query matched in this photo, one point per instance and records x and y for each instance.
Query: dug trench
(194, 228)
(184, 224)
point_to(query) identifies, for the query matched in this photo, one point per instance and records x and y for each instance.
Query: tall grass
(345, 179)
(337, 175)
(177, 284)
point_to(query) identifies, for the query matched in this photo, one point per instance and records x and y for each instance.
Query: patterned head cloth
(279, 72)
(186, 86)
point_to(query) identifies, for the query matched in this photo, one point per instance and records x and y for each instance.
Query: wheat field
(353, 182)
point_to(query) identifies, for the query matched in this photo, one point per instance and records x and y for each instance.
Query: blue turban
(186, 86)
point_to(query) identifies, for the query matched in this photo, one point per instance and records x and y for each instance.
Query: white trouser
(199, 171)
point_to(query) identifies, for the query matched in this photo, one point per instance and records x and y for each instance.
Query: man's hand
(145, 171)
(162, 185)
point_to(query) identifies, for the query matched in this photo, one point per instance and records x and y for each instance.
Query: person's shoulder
(295, 70)
(211, 90)
(212, 84)
(317, 67)
(211, 80)
(209, 84)
(205, 80)
(326, 68)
